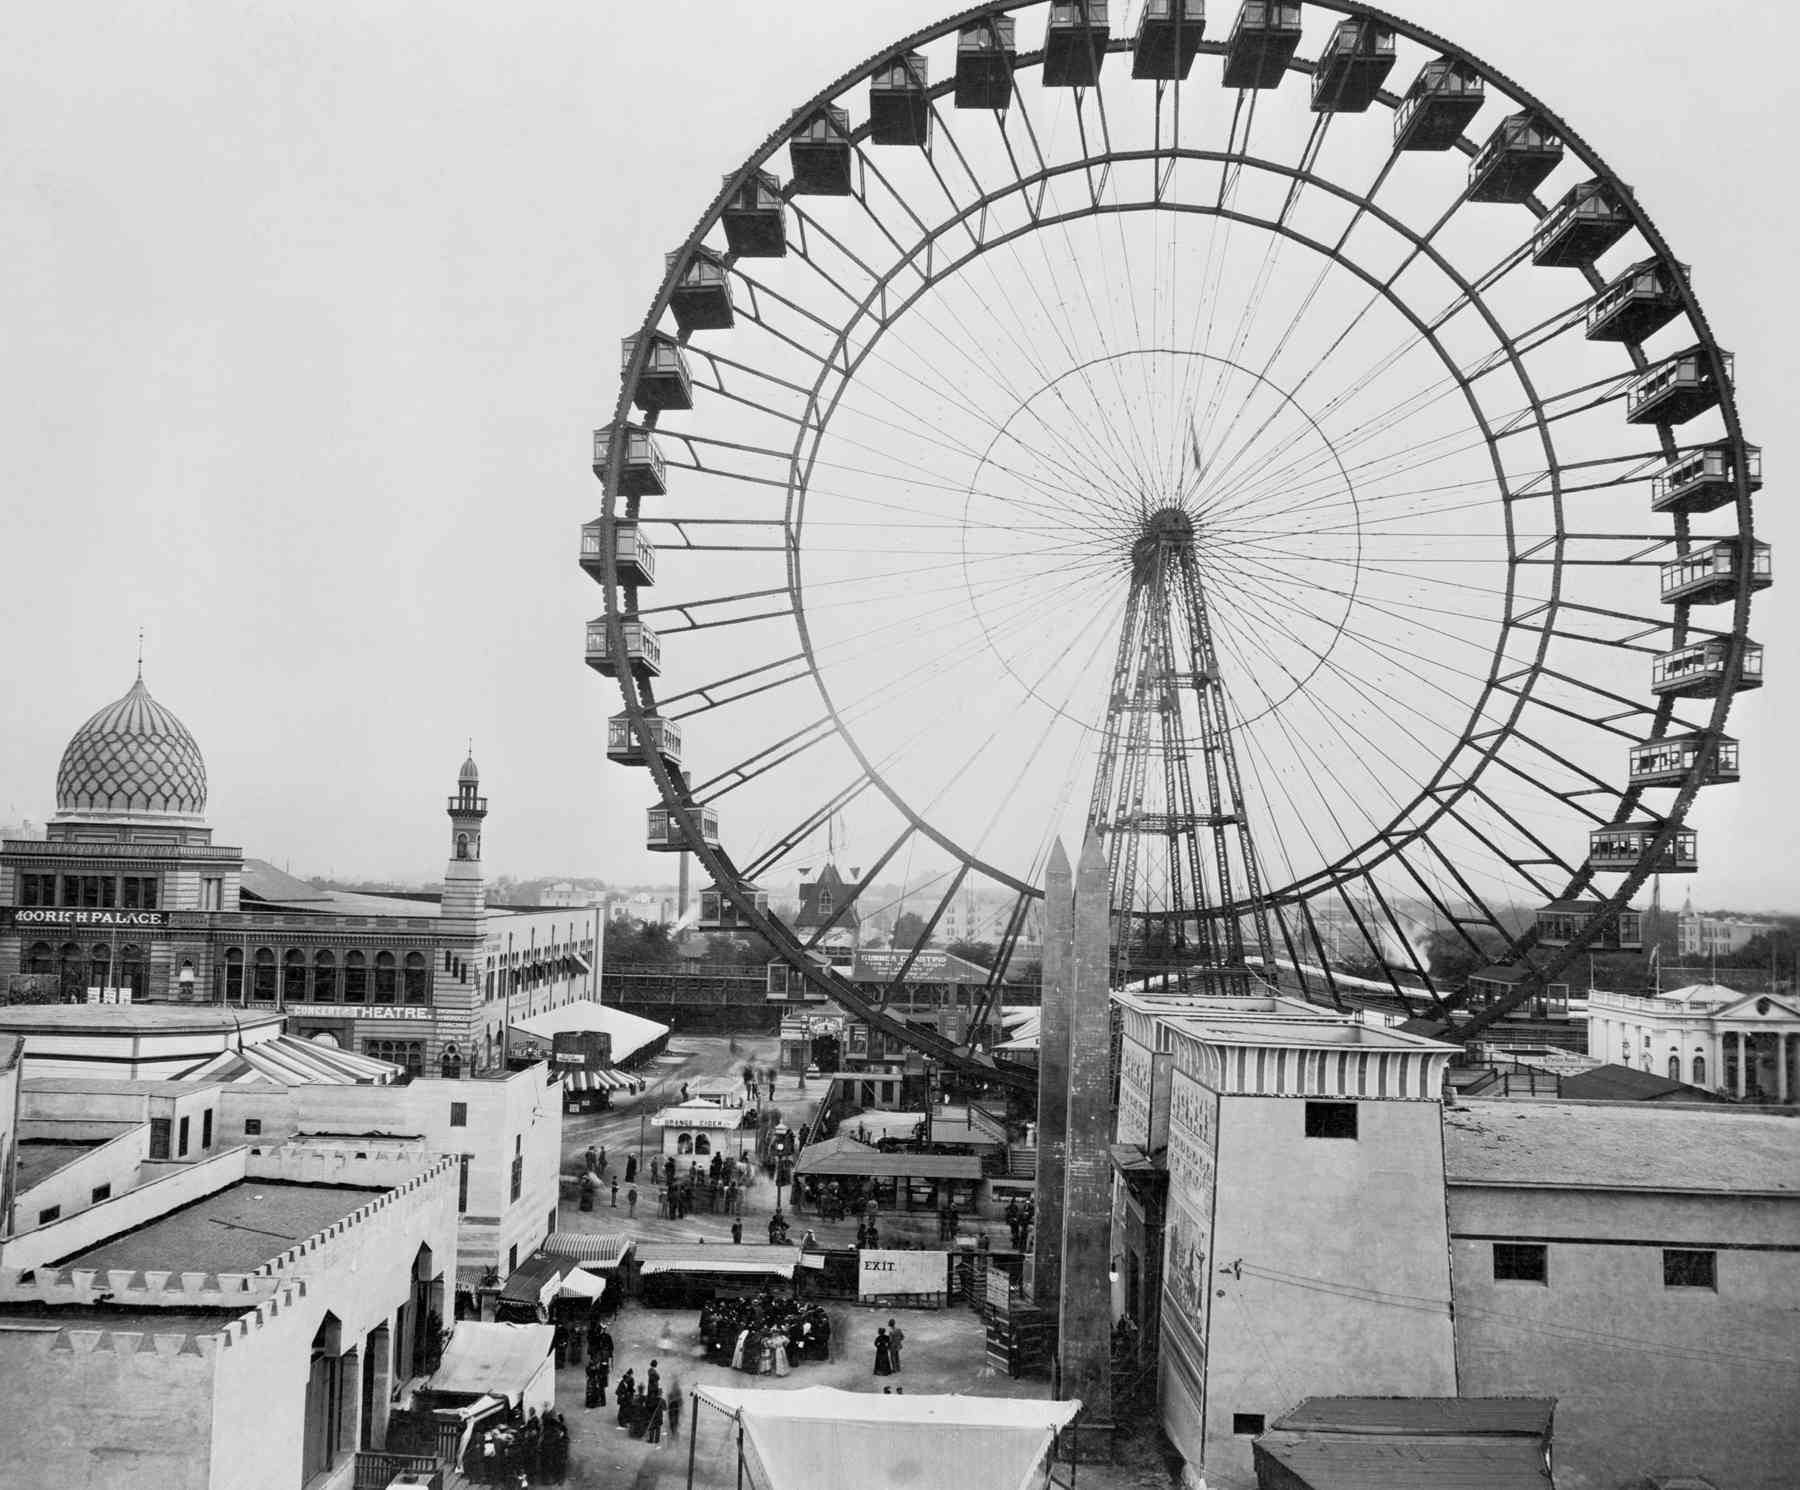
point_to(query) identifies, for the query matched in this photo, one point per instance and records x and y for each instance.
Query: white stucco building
(1745, 1046)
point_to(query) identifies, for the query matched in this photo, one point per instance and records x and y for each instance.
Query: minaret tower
(465, 891)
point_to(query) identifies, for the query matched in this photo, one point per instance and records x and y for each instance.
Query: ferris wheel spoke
(760, 762)
(736, 687)
(809, 825)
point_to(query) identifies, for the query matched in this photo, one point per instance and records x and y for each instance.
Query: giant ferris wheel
(1273, 440)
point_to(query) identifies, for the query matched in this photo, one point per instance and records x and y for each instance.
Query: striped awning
(292, 1061)
(591, 1249)
(604, 1080)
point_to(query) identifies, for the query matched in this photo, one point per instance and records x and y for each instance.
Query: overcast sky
(309, 317)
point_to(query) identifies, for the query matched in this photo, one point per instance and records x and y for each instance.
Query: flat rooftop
(39, 1158)
(1218, 1029)
(234, 1230)
(1621, 1146)
(116, 1019)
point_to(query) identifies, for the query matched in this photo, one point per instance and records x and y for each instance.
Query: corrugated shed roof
(1623, 1084)
(1531, 1416)
(1623, 1146)
(1399, 1461)
(263, 881)
(291, 1061)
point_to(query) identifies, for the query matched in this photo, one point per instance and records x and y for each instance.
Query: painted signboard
(358, 1011)
(64, 916)
(881, 1272)
(1134, 1093)
(1187, 1260)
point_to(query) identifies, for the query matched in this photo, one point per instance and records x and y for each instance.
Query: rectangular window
(1521, 1262)
(28, 889)
(138, 892)
(1683, 1268)
(512, 1259)
(212, 894)
(181, 1146)
(409, 1054)
(49, 1214)
(1331, 1120)
(100, 1193)
(462, 1182)
(1249, 1423)
(252, 1127)
(206, 1129)
(518, 1176)
(159, 1138)
(459, 1114)
(71, 889)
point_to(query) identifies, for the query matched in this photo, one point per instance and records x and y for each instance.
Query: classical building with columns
(1745, 1046)
(127, 896)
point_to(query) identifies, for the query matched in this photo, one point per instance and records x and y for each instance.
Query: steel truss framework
(1519, 772)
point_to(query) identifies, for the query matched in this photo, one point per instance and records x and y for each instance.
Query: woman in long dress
(884, 1356)
(778, 1351)
(737, 1351)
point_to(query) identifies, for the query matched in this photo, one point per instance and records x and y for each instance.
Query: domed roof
(133, 758)
(469, 771)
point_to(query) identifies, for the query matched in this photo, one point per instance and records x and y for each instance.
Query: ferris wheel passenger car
(1352, 68)
(1074, 43)
(1262, 43)
(984, 64)
(1168, 37)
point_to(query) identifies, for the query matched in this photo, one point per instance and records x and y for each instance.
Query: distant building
(565, 895)
(1715, 936)
(127, 898)
(1744, 1046)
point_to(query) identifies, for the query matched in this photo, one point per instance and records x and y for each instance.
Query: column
(1743, 1060)
(1053, 1080)
(1084, 1342)
(1781, 1065)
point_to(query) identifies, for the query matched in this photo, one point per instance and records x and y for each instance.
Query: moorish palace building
(128, 891)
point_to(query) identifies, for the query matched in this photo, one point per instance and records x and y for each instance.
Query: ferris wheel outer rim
(1672, 819)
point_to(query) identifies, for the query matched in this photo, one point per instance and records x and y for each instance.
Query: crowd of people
(531, 1451)
(765, 1335)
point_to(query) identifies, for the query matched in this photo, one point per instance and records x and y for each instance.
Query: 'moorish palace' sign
(62, 916)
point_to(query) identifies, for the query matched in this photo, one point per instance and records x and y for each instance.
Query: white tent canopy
(802, 1440)
(630, 1034)
(580, 1284)
(504, 1360)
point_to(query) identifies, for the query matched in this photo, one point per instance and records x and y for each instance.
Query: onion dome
(469, 772)
(132, 759)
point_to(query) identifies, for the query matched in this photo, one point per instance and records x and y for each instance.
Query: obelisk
(1053, 1079)
(1084, 1339)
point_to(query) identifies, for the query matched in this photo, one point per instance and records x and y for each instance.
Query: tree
(909, 930)
(982, 954)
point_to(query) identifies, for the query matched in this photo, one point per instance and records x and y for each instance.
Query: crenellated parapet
(148, 1288)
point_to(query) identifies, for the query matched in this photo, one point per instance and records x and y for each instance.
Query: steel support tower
(1180, 861)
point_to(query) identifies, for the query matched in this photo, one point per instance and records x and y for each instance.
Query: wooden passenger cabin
(664, 834)
(1618, 849)
(701, 300)
(755, 219)
(1262, 43)
(1698, 669)
(1587, 221)
(641, 474)
(626, 746)
(1492, 985)
(1561, 921)
(1075, 37)
(718, 912)
(1667, 762)
(635, 558)
(1352, 67)
(1676, 390)
(1168, 37)
(1709, 575)
(899, 108)
(820, 154)
(1438, 106)
(985, 52)
(1642, 300)
(1514, 161)
(664, 382)
(1705, 479)
(643, 649)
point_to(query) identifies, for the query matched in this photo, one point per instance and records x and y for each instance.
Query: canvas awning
(803, 1439)
(534, 1280)
(778, 1262)
(699, 1115)
(602, 1080)
(292, 1061)
(589, 1249)
(580, 1284)
(629, 1032)
(845, 1156)
(497, 1359)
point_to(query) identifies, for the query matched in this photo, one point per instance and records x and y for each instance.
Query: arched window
(702, 1144)
(129, 971)
(1674, 1068)
(685, 1144)
(356, 978)
(386, 978)
(293, 977)
(100, 966)
(262, 988)
(234, 975)
(41, 958)
(825, 902)
(325, 987)
(71, 972)
(418, 983)
(462, 845)
(1699, 1070)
